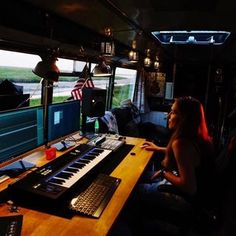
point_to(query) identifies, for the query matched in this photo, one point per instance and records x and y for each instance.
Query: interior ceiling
(63, 21)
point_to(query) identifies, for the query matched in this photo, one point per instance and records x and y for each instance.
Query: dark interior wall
(191, 80)
(198, 80)
(215, 86)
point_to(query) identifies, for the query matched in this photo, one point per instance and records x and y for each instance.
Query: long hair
(192, 123)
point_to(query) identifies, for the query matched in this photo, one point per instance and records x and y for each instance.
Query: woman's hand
(150, 146)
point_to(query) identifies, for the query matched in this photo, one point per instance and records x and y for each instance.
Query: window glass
(69, 66)
(123, 85)
(17, 68)
(67, 79)
(100, 82)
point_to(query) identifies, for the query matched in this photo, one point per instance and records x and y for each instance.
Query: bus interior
(155, 51)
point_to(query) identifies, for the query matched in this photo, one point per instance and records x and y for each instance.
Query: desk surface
(38, 223)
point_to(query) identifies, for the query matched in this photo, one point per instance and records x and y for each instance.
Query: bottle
(96, 126)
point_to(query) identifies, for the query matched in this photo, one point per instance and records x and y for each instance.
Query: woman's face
(173, 117)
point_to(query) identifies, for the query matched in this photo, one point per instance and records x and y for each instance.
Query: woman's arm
(185, 155)
(150, 146)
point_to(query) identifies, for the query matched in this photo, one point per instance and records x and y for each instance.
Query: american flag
(83, 82)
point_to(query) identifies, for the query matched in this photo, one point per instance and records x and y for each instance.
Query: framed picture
(156, 84)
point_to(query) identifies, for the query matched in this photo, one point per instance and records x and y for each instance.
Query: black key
(78, 165)
(84, 160)
(57, 181)
(89, 157)
(64, 175)
(71, 170)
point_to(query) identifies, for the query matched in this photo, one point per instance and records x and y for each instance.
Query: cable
(40, 82)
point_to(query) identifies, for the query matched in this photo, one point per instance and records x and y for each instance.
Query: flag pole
(84, 117)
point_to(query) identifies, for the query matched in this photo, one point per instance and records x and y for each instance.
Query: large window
(124, 85)
(17, 68)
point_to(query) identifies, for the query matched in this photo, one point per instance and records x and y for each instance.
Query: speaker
(93, 102)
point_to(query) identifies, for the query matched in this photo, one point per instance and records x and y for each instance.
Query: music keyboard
(71, 173)
(54, 179)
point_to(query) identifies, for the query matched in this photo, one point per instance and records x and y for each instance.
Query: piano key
(84, 161)
(57, 180)
(77, 165)
(64, 175)
(73, 170)
(89, 157)
(83, 167)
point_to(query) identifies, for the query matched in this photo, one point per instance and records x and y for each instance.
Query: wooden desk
(129, 170)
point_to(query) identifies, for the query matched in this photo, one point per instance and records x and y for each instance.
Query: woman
(187, 161)
(186, 170)
(189, 151)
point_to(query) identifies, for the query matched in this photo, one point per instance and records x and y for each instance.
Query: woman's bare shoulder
(181, 141)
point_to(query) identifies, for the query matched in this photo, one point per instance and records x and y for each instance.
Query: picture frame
(156, 84)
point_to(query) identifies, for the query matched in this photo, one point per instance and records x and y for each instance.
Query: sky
(16, 59)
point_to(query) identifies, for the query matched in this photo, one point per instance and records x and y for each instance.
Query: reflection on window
(124, 85)
(17, 68)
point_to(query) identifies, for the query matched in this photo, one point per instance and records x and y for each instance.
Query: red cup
(50, 153)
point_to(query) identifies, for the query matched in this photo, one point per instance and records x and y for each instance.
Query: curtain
(140, 91)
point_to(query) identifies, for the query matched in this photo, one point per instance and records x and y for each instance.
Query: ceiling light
(133, 54)
(147, 59)
(156, 63)
(108, 46)
(202, 37)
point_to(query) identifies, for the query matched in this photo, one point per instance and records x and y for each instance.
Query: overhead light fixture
(102, 69)
(201, 37)
(156, 63)
(147, 59)
(133, 54)
(108, 45)
(47, 69)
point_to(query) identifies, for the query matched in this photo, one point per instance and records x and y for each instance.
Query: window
(17, 68)
(123, 85)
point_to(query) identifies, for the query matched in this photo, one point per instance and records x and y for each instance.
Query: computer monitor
(21, 130)
(162, 118)
(63, 119)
